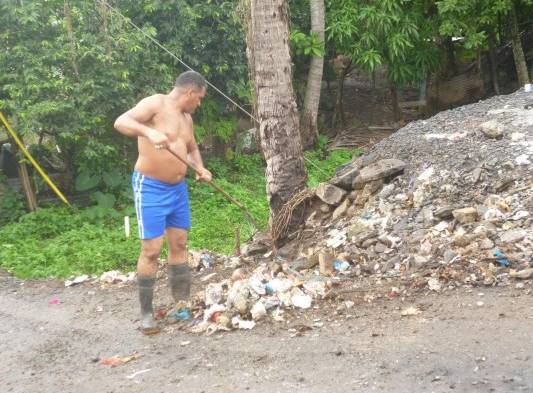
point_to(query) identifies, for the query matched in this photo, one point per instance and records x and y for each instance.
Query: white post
(127, 225)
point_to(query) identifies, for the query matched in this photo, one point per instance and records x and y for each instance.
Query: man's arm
(133, 122)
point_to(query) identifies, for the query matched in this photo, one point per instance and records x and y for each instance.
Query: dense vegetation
(69, 68)
(61, 241)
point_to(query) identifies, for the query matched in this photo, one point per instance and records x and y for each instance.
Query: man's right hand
(159, 139)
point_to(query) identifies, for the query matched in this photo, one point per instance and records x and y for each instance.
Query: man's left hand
(203, 175)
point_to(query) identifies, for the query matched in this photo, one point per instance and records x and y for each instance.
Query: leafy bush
(11, 203)
(65, 241)
(61, 241)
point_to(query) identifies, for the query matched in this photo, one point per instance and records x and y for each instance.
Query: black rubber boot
(179, 281)
(146, 294)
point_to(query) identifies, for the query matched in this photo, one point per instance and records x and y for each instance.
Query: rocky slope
(443, 203)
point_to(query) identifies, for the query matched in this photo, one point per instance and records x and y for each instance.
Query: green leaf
(105, 200)
(86, 181)
(112, 178)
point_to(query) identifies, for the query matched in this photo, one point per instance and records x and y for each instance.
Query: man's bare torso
(161, 164)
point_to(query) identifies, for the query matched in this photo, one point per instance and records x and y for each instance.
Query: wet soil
(463, 340)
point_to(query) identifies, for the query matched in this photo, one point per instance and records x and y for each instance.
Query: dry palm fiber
(280, 224)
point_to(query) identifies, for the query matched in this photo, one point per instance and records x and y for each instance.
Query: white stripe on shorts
(138, 203)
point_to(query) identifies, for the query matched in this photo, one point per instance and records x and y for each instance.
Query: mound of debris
(442, 203)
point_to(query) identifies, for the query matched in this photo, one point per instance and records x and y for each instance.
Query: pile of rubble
(443, 203)
(449, 197)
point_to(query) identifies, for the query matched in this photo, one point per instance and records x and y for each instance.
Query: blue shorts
(160, 205)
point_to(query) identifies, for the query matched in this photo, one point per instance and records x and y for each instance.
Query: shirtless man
(161, 122)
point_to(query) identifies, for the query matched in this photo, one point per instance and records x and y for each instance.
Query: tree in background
(309, 127)
(518, 51)
(478, 22)
(394, 34)
(270, 69)
(69, 67)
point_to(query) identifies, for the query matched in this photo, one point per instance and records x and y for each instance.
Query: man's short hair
(190, 79)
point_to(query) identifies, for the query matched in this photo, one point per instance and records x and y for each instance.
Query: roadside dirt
(465, 340)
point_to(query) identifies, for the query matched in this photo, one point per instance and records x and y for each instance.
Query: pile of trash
(443, 203)
(110, 277)
(246, 297)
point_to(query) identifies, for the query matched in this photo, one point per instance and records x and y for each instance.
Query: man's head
(191, 87)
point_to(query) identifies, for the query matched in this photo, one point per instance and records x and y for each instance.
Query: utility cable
(152, 39)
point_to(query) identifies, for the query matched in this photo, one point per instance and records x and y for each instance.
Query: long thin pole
(30, 158)
(219, 189)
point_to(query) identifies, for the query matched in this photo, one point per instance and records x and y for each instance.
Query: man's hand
(203, 175)
(159, 139)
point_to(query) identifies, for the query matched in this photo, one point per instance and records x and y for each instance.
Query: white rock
(434, 284)
(336, 238)
(513, 236)
(523, 159)
(517, 136)
(441, 226)
(239, 323)
(465, 215)
(520, 214)
(426, 175)
(387, 191)
(492, 129)
(77, 280)
(330, 194)
(214, 294)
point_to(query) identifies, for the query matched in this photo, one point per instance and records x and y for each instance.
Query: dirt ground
(466, 340)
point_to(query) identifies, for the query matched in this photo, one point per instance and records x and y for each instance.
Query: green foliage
(106, 188)
(62, 241)
(11, 202)
(86, 181)
(215, 122)
(69, 86)
(321, 163)
(59, 242)
(391, 33)
(214, 218)
(306, 44)
(472, 20)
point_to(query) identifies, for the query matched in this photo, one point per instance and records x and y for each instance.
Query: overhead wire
(156, 42)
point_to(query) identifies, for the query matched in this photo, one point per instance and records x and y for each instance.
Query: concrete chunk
(378, 170)
(345, 177)
(330, 194)
(491, 129)
(465, 215)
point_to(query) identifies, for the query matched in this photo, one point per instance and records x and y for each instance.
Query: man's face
(194, 99)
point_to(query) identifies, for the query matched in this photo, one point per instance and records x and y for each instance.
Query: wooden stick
(219, 189)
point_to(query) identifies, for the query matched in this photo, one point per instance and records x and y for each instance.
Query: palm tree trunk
(309, 129)
(270, 68)
(518, 51)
